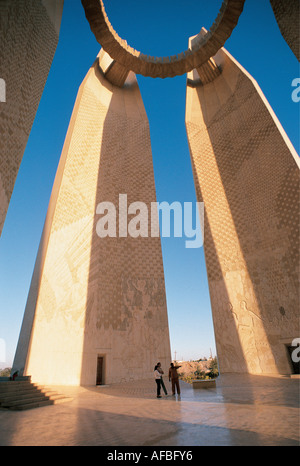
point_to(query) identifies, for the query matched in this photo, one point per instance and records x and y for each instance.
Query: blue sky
(157, 28)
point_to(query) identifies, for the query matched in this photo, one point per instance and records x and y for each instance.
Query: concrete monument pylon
(246, 172)
(29, 32)
(96, 311)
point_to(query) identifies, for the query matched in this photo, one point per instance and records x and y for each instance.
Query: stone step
(20, 395)
(9, 383)
(33, 405)
(39, 404)
(14, 387)
(25, 395)
(22, 401)
(29, 401)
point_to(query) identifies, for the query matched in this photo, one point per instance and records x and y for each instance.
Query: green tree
(213, 369)
(5, 372)
(199, 374)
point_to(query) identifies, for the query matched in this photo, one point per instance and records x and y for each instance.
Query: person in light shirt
(161, 378)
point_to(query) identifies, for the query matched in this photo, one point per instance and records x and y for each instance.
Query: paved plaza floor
(241, 410)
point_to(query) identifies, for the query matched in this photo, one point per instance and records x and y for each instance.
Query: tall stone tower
(96, 311)
(29, 32)
(247, 174)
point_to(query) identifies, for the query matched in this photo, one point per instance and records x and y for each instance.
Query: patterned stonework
(287, 14)
(95, 296)
(246, 173)
(29, 31)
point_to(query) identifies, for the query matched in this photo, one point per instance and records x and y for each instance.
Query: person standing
(173, 377)
(161, 378)
(157, 376)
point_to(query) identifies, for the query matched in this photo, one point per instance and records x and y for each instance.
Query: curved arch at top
(163, 67)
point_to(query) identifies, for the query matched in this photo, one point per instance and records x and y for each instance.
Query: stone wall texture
(287, 14)
(29, 31)
(247, 174)
(93, 296)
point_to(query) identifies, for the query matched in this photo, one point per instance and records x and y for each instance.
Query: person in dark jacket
(173, 377)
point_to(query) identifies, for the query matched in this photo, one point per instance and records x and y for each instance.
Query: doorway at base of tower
(100, 375)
